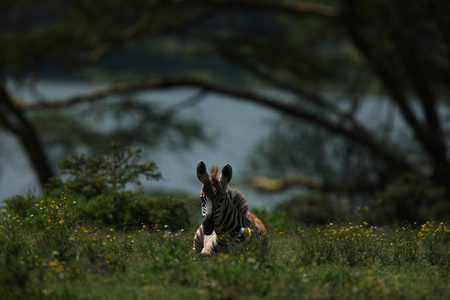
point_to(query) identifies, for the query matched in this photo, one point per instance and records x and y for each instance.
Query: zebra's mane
(238, 199)
(215, 183)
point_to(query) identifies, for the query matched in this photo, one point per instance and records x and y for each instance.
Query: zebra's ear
(227, 173)
(202, 173)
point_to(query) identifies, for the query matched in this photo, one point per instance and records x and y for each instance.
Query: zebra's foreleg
(198, 240)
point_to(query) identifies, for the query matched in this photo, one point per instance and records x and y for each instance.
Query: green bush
(97, 186)
(20, 205)
(411, 198)
(125, 209)
(94, 176)
(309, 209)
(274, 220)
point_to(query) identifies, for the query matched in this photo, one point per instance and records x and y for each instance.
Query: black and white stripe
(224, 212)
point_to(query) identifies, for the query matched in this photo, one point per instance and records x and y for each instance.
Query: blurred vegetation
(309, 209)
(97, 185)
(361, 86)
(97, 175)
(411, 198)
(341, 180)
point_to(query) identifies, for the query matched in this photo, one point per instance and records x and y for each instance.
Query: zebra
(225, 213)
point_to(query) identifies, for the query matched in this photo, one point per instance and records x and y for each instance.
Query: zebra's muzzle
(208, 224)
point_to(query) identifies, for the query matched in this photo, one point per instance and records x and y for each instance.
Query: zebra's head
(213, 193)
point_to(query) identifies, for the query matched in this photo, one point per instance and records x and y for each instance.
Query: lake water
(237, 126)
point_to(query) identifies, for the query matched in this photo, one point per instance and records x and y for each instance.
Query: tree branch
(122, 37)
(382, 68)
(311, 97)
(290, 7)
(272, 185)
(349, 130)
(429, 135)
(143, 28)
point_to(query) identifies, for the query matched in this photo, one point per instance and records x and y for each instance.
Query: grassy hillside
(52, 253)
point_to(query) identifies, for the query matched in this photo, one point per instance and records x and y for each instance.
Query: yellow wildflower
(59, 269)
(53, 263)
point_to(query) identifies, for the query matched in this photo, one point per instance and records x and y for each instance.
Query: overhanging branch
(350, 130)
(289, 7)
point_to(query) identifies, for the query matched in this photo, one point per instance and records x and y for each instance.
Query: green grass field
(53, 254)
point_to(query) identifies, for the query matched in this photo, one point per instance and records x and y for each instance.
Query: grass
(53, 254)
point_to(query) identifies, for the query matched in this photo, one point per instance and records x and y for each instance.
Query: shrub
(125, 209)
(20, 205)
(411, 198)
(94, 176)
(274, 220)
(97, 185)
(309, 209)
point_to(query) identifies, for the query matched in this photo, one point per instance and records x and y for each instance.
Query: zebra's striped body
(226, 218)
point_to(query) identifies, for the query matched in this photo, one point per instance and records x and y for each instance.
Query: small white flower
(74, 202)
(31, 216)
(165, 226)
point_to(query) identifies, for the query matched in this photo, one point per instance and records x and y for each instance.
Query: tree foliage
(410, 198)
(94, 176)
(327, 60)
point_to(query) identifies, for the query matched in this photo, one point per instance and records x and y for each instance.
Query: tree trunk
(404, 49)
(13, 119)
